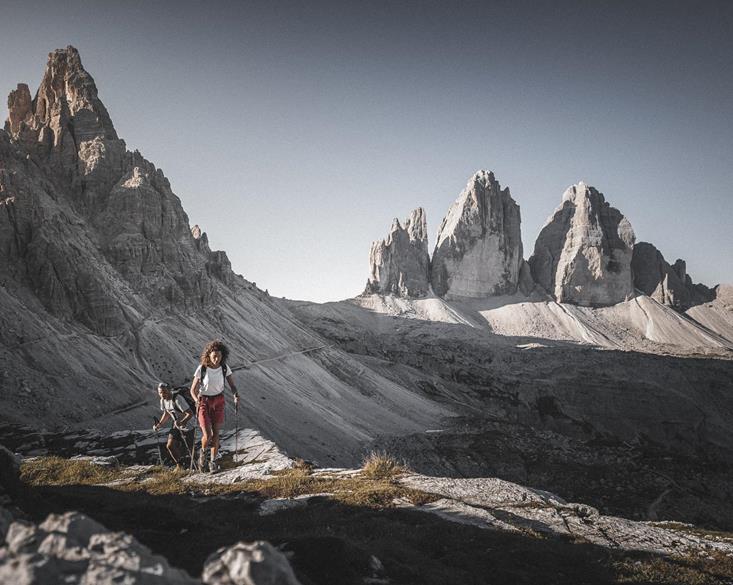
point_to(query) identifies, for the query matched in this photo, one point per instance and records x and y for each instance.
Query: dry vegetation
(690, 570)
(381, 465)
(376, 488)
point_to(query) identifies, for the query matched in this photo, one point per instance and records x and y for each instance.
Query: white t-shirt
(213, 382)
(176, 407)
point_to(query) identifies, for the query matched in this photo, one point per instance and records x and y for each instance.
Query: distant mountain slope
(639, 324)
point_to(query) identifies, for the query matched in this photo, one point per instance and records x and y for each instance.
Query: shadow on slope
(333, 544)
(632, 433)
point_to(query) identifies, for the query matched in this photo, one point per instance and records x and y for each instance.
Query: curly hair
(214, 346)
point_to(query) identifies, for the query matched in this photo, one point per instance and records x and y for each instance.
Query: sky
(293, 132)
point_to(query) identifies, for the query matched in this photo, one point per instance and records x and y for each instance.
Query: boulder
(399, 264)
(479, 248)
(255, 563)
(583, 253)
(72, 548)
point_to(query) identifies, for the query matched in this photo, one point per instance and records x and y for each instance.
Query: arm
(163, 418)
(186, 417)
(185, 410)
(195, 386)
(235, 394)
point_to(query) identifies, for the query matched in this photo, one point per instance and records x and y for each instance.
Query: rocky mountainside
(106, 289)
(670, 285)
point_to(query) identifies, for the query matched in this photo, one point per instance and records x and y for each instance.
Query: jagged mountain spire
(66, 107)
(583, 253)
(399, 264)
(479, 247)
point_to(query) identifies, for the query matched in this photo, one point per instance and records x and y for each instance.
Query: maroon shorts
(211, 411)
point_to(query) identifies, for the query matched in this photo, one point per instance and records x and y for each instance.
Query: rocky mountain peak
(20, 108)
(583, 253)
(399, 264)
(95, 231)
(669, 285)
(66, 102)
(479, 247)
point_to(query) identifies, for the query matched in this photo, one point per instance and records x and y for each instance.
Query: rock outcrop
(73, 548)
(583, 253)
(669, 285)
(479, 248)
(255, 563)
(400, 263)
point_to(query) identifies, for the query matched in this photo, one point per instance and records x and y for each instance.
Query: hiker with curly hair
(207, 389)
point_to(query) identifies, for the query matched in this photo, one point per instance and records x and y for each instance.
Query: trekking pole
(236, 431)
(193, 449)
(157, 441)
(185, 442)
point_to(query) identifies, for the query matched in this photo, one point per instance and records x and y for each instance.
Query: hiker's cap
(163, 386)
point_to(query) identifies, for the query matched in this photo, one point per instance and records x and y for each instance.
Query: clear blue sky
(294, 132)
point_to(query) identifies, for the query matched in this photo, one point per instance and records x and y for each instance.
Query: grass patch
(354, 491)
(714, 569)
(381, 465)
(60, 471)
(289, 483)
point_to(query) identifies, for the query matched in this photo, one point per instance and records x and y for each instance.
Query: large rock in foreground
(399, 264)
(479, 248)
(255, 563)
(73, 548)
(583, 253)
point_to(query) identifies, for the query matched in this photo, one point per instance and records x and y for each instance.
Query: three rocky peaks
(585, 254)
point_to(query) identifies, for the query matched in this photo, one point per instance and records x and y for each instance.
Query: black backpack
(183, 392)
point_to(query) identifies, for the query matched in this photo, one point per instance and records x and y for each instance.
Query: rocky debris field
(276, 520)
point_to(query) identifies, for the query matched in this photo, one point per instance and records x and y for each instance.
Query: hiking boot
(202, 460)
(214, 467)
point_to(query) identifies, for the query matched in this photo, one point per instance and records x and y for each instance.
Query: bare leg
(215, 441)
(171, 446)
(206, 435)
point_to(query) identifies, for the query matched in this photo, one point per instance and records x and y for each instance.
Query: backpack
(183, 392)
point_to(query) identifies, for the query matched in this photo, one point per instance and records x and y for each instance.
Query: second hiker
(180, 438)
(207, 389)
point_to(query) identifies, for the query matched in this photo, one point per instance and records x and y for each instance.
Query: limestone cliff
(399, 264)
(670, 285)
(583, 253)
(479, 247)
